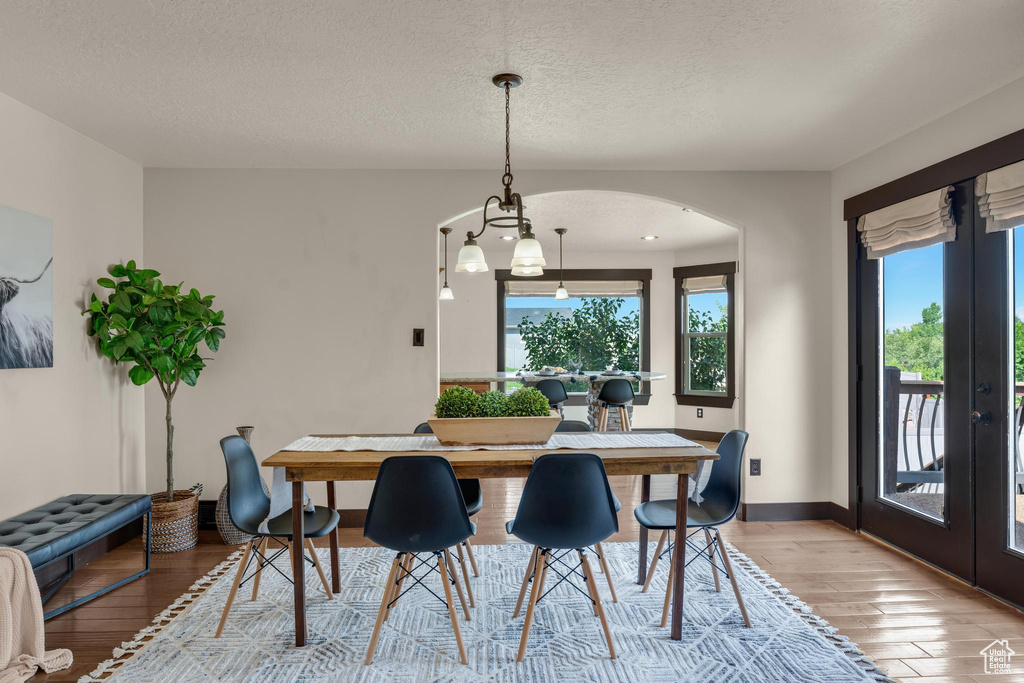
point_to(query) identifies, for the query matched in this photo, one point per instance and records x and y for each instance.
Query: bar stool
(616, 393)
(554, 391)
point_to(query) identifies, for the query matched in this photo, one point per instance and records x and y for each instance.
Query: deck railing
(913, 434)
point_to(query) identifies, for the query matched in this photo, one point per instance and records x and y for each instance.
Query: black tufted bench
(57, 530)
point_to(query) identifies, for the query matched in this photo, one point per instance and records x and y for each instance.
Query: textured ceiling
(632, 84)
(603, 221)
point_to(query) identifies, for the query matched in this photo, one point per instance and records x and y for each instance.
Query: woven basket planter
(175, 524)
(229, 533)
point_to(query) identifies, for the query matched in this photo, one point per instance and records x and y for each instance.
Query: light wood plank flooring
(917, 623)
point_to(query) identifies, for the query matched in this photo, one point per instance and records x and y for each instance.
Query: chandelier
(528, 259)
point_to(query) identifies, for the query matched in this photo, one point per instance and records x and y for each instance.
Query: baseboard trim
(352, 519)
(846, 517)
(784, 512)
(699, 434)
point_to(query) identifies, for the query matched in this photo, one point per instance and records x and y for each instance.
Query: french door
(940, 355)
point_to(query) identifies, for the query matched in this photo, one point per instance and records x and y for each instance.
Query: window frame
(641, 275)
(682, 334)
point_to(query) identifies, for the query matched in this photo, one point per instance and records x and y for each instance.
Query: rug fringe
(128, 650)
(806, 612)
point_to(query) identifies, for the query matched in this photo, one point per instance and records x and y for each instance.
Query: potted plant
(463, 418)
(158, 330)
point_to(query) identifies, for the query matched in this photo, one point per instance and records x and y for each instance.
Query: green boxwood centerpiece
(464, 402)
(461, 417)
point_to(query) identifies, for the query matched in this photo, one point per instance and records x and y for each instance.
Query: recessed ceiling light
(648, 238)
(508, 238)
(687, 209)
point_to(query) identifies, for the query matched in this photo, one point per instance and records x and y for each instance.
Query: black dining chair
(615, 393)
(721, 500)
(473, 494)
(574, 426)
(566, 506)
(248, 506)
(554, 391)
(580, 427)
(417, 507)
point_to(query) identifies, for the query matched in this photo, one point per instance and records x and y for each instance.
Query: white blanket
(22, 649)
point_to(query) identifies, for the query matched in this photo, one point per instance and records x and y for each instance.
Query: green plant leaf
(96, 307)
(139, 375)
(130, 265)
(162, 363)
(212, 341)
(119, 347)
(117, 320)
(189, 376)
(135, 340)
(148, 273)
(117, 271)
(106, 282)
(122, 301)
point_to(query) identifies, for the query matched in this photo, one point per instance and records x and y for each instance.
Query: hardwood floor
(915, 622)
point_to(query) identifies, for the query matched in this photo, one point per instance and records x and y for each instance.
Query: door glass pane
(1015, 514)
(912, 438)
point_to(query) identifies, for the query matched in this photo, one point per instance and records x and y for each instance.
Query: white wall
(990, 117)
(77, 427)
(323, 274)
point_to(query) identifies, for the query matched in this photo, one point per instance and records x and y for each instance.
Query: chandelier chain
(506, 180)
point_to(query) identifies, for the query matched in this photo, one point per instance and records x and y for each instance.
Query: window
(705, 335)
(605, 321)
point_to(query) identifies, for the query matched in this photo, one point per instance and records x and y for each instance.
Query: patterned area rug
(786, 642)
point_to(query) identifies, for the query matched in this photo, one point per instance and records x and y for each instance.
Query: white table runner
(429, 442)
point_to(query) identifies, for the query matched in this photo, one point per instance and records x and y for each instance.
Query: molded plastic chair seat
(471, 491)
(616, 393)
(554, 391)
(316, 524)
(573, 426)
(661, 514)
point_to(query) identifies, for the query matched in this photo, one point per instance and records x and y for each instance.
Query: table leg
(645, 495)
(679, 557)
(335, 562)
(298, 562)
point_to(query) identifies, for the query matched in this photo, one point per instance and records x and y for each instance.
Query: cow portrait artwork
(26, 290)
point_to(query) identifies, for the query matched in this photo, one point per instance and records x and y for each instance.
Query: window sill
(705, 401)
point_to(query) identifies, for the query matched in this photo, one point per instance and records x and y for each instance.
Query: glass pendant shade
(527, 271)
(560, 293)
(528, 253)
(471, 260)
(446, 294)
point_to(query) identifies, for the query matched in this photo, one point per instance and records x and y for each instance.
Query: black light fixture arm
(445, 231)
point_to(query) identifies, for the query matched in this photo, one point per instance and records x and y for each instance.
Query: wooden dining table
(333, 466)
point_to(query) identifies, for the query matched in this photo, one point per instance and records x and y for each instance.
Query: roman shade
(577, 288)
(917, 222)
(707, 283)
(1001, 197)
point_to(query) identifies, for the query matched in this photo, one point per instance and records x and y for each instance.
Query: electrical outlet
(418, 336)
(755, 467)
(700, 412)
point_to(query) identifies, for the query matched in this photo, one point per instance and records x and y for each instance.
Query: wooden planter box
(491, 431)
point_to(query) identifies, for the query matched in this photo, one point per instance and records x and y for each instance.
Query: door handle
(981, 417)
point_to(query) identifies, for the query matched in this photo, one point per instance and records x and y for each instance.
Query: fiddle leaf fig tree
(157, 329)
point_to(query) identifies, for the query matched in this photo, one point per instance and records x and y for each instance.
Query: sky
(913, 280)
(629, 305)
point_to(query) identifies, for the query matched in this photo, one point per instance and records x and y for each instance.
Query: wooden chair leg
(732, 577)
(607, 574)
(711, 556)
(319, 569)
(597, 602)
(261, 547)
(540, 567)
(623, 419)
(590, 591)
(526, 581)
(234, 588)
(455, 579)
(465, 576)
(383, 609)
(451, 608)
(668, 592)
(602, 418)
(654, 560)
(405, 566)
(472, 559)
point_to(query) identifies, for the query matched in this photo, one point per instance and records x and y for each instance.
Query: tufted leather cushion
(70, 522)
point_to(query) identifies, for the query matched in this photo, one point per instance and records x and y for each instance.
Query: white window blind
(917, 222)
(576, 288)
(708, 283)
(1001, 197)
